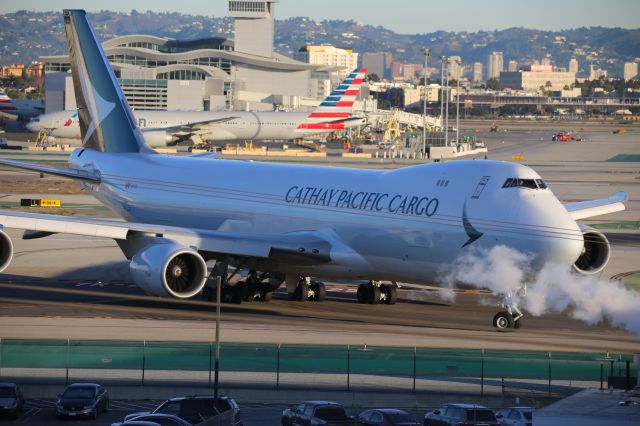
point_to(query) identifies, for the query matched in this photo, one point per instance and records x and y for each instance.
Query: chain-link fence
(322, 366)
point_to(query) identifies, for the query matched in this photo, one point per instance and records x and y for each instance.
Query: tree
(492, 84)
(373, 77)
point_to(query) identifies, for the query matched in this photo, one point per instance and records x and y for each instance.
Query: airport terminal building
(158, 73)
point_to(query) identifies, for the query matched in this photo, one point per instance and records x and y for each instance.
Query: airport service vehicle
(11, 399)
(561, 137)
(197, 409)
(515, 416)
(296, 224)
(23, 108)
(386, 417)
(82, 399)
(156, 419)
(461, 414)
(316, 413)
(162, 128)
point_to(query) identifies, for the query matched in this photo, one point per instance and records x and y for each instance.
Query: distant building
(477, 72)
(513, 66)
(630, 70)
(159, 73)
(573, 66)
(405, 72)
(496, 65)
(344, 59)
(547, 60)
(537, 79)
(454, 67)
(414, 97)
(595, 74)
(375, 63)
(13, 70)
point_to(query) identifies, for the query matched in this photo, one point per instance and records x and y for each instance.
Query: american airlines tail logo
(336, 108)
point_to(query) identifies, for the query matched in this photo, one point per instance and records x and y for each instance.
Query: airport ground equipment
(291, 221)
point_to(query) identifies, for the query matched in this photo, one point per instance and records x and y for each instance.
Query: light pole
(459, 68)
(426, 52)
(442, 60)
(446, 108)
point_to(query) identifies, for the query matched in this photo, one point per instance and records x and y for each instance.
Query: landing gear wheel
(374, 294)
(302, 291)
(363, 293)
(321, 292)
(391, 293)
(237, 293)
(503, 320)
(517, 324)
(266, 296)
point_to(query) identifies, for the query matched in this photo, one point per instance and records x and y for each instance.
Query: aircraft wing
(302, 248)
(52, 170)
(587, 209)
(197, 127)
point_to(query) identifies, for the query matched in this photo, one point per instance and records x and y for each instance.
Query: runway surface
(74, 287)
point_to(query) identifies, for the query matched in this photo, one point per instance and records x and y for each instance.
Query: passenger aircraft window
(542, 184)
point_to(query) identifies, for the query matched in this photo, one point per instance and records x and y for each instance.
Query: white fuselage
(242, 125)
(401, 225)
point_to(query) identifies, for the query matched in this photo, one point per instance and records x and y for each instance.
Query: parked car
(194, 409)
(515, 416)
(456, 414)
(82, 399)
(11, 399)
(154, 419)
(316, 413)
(386, 417)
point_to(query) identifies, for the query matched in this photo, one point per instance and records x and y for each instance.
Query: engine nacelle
(158, 138)
(6, 250)
(169, 270)
(595, 254)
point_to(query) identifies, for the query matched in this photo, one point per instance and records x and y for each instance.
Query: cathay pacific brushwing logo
(472, 232)
(100, 108)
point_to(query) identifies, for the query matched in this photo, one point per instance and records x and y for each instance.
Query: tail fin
(339, 104)
(5, 103)
(106, 121)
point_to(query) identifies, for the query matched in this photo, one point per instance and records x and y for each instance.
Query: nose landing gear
(511, 317)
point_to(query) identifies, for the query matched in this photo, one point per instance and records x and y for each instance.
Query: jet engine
(169, 270)
(595, 254)
(158, 138)
(6, 250)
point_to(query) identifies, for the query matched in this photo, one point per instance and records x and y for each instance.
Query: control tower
(254, 33)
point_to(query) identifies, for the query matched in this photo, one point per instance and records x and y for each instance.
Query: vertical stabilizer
(339, 104)
(106, 121)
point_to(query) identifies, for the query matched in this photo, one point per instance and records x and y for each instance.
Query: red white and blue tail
(336, 108)
(5, 102)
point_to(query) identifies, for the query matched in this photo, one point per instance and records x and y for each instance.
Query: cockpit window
(524, 183)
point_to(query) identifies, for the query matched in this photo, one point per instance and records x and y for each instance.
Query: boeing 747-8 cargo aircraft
(290, 223)
(162, 128)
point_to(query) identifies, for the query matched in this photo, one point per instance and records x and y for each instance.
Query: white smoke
(555, 288)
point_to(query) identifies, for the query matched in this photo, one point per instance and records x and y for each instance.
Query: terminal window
(247, 6)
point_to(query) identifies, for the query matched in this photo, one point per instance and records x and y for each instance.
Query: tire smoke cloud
(555, 288)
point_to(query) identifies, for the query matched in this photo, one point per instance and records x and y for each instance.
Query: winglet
(106, 121)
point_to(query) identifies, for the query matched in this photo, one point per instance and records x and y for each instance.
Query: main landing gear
(375, 292)
(302, 289)
(256, 287)
(511, 316)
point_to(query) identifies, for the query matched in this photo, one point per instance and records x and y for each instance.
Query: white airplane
(23, 108)
(291, 223)
(162, 128)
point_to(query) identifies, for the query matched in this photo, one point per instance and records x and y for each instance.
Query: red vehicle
(561, 137)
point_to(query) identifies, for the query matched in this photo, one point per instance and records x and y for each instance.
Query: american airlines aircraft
(295, 223)
(162, 128)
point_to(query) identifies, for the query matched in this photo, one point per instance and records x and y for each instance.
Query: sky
(401, 16)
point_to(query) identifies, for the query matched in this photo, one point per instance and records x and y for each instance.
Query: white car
(515, 416)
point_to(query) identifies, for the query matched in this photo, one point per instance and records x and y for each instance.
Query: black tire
(267, 296)
(321, 292)
(503, 320)
(374, 294)
(227, 294)
(363, 293)
(518, 324)
(302, 291)
(94, 414)
(392, 294)
(237, 293)
(106, 406)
